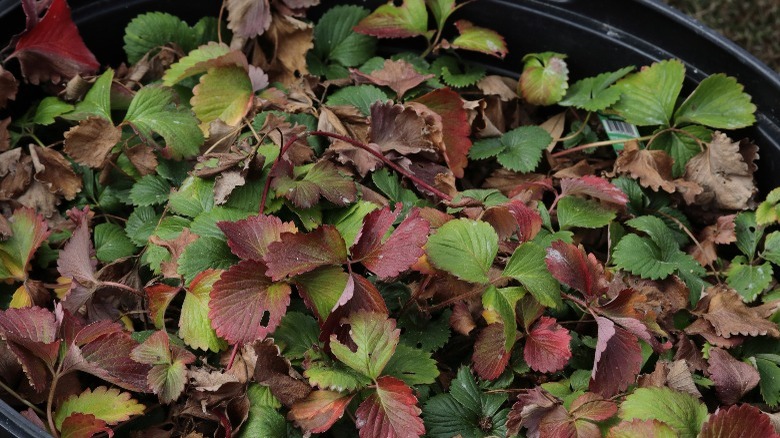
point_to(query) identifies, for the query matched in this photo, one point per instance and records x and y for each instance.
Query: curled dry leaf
(733, 378)
(728, 315)
(8, 87)
(719, 233)
(285, 59)
(400, 76)
(725, 172)
(54, 172)
(91, 141)
(16, 172)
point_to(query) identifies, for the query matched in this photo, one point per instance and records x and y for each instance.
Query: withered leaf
(54, 172)
(8, 87)
(91, 141)
(5, 136)
(399, 128)
(248, 18)
(289, 39)
(175, 247)
(724, 173)
(724, 309)
(720, 233)
(143, 158)
(653, 168)
(400, 76)
(16, 173)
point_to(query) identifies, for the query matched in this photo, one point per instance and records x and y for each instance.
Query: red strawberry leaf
(390, 21)
(79, 425)
(572, 267)
(397, 253)
(53, 49)
(490, 356)
(391, 412)
(733, 378)
(592, 407)
(159, 297)
(317, 412)
(365, 297)
(246, 305)
(744, 421)
(531, 408)
(250, 238)
(595, 187)
(297, 253)
(31, 334)
(455, 126)
(547, 347)
(618, 359)
(77, 262)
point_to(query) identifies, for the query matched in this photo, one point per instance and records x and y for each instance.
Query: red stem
(385, 160)
(233, 355)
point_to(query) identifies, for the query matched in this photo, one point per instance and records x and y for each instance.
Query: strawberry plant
(264, 225)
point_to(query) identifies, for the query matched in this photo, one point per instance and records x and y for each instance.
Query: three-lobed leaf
(464, 248)
(682, 412)
(376, 338)
(648, 97)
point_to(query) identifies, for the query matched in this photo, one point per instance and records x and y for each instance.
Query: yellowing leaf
(194, 325)
(109, 405)
(224, 93)
(29, 231)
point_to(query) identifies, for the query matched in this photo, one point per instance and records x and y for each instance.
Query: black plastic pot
(598, 36)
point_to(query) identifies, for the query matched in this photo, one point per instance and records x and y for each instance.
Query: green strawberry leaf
(194, 323)
(169, 365)
(457, 74)
(193, 197)
(768, 366)
(523, 148)
(335, 40)
(748, 233)
(296, 334)
(748, 280)
(323, 289)
(648, 96)
(596, 93)
(152, 110)
(683, 412)
(335, 376)
(149, 32)
(109, 405)
(202, 254)
(412, 366)
(718, 102)
(464, 248)
(359, 96)
(527, 266)
(224, 93)
(545, 78)
(681, 146)
(768, 212)
(376, 338)
(196, 62)
(441, 10)
(390, 21)
(150, 190)
(771, 251)
(49, 108)
(111, 243)
(97, 101)
(574, 211)
(641, 256)
(479, 39)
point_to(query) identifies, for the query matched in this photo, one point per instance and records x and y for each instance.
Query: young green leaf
(441, 10)
(768, 211)
(49, 108)
(97, 101)
(111, 243)
(152, 110)
(464, 248)
(479, 39)
(376, 338)
(527, 265)
(194, 324)
(457, 74)
(390, 21)
(596, 93)
(718, 102)
(749, 280)
(412, 366)
(648, 97)
(392, 411)
(545, 78)
(359, 96)
(109, 405)
(193, 197)
(154, 30)
(523, 148)
(684, 413)
(196, 62)
(334, 376)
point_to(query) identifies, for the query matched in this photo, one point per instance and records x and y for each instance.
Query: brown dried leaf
(39, 199)
(288, 41)
(16, 173)
(720, 233)
(724, 309)
(176, 248)
(399, 75)
(274, 371)
(500, 86)
(248, 18)
(725, 172)
(225, 183)
(554, 126)
(143, 158)
(653, 168)
(8, 87)
(91, 141)
(5, 136)
(401, 129)
(54, 172)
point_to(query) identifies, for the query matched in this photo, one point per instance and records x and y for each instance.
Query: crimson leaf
(490, 356)
(31, 334)
(297, 253)
(618, 359)
(595, 187)
(250, 238)
(744, 421)
(547, 347)
(391, 412)
(572, 267)
(317, 412)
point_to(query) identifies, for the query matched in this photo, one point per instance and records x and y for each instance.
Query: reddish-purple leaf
(529, 222)
(31, 334)
(169, 365)
(743, 421)
(248, 18)
(53, 49)
(103, 350)
(629, 309)
(547, 347)
(78, 425)
(274, 371)
(490, 358)
(732, 378)
(77, 262)
(572, 267)
(455, 127)
(595, 187)
(400, 251)
(250, 238)
(298, 253)
(593, 407)
(390, 413)
(245, 304)
(317, 412)
(618, 359)
(529, 410)
(159, 296)
(365, 296)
